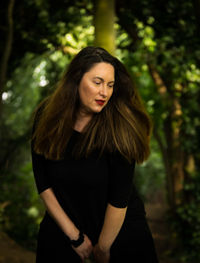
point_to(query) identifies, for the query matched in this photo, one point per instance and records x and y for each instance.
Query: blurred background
(159, 42)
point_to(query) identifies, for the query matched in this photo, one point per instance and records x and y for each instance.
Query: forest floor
(160, 231)
(11, 252)
(156, 212)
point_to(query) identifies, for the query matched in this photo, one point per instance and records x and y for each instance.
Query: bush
(186, 222)
(20, 209)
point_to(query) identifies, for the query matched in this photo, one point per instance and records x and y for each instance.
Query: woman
(86, 139)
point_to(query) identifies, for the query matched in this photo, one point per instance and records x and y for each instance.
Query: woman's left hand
(100, 255)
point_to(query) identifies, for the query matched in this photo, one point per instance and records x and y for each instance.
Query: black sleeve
(38, 164)
(121, 180)
(41, 178)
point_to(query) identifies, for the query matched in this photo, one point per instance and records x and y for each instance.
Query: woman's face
(96, 88)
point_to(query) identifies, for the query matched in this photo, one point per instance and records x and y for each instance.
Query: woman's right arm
(64, 222)
(53, 207)
(57, 213)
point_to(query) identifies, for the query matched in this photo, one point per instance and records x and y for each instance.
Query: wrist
(78, 241)
(73, 234)
(103, 247)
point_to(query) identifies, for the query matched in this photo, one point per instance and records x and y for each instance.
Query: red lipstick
(100, 102)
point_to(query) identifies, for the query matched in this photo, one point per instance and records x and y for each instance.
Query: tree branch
(162, 88)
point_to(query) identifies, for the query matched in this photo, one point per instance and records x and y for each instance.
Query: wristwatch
(79, 241)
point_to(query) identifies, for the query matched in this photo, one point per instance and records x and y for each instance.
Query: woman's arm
(65, 223)
(114, 218)
(58, 214)
(120, 187)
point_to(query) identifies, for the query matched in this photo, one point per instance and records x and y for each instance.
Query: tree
(104, 18)
(38, 57)
(7, 48)
(165, 38)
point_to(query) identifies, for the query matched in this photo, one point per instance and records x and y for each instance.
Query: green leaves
(188, 217)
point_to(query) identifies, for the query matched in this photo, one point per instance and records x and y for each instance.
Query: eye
(97, 82)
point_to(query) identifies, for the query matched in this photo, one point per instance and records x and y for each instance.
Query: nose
(104, 90)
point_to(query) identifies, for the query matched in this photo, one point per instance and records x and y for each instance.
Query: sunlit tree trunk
(104, 19)
(179, 165)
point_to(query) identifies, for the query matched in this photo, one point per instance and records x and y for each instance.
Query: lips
(100, 102)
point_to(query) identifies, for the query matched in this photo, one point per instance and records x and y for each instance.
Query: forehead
(101, 68)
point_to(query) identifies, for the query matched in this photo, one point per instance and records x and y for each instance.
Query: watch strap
(79, 241)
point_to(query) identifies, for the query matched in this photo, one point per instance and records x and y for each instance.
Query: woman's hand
(85, 249)
(101, 256)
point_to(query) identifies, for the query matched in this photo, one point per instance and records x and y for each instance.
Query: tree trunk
(7, 49)
(104, 19)
(177, 153)
(196, 5)
(172, 153)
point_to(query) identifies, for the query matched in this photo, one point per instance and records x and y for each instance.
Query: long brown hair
(122, 125)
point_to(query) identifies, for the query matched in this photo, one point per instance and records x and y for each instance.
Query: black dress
(83, 188)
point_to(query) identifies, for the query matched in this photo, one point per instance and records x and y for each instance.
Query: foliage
(31, 78)
(163, 38)
(23, 212)
(186, 223)
(150, 177)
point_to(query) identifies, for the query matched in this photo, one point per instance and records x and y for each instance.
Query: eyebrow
(103, 79)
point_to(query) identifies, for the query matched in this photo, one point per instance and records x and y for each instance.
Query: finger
(86, 255)
(88, 252)
(82, 259)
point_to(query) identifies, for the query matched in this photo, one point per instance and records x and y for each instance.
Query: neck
(82, 120)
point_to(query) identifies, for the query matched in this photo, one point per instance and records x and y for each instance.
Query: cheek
(86, 93)
(110, 93)
(89, 92)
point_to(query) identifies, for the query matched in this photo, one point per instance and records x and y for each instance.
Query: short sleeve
(120, 180)
(41, 179)
(38, 164)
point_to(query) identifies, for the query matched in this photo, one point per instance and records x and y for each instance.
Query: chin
(97, 110)
(94, 109)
